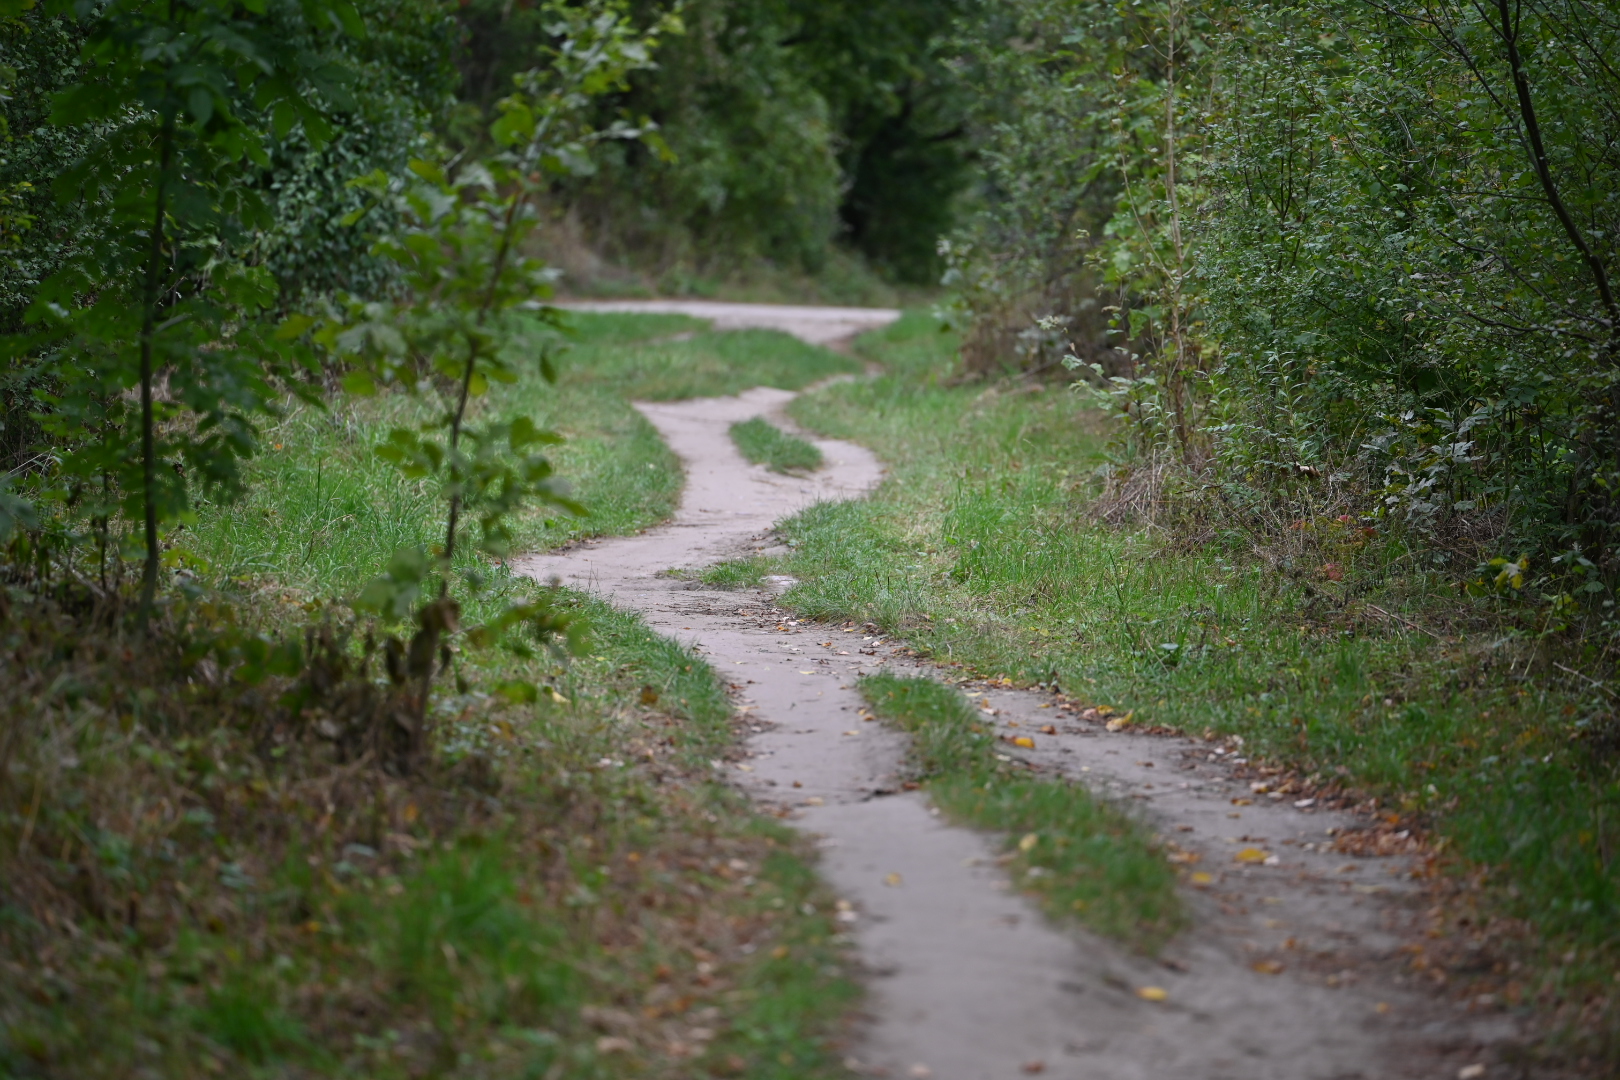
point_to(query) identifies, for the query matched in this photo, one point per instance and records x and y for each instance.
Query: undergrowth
(1330, 651)
(212, 860)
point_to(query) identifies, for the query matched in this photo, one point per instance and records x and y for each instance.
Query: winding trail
(1292, 970)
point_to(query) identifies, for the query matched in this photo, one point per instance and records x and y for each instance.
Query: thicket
(786, 129)
(1331, 259)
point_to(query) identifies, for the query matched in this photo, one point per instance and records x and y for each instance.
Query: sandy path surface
(1292, 970)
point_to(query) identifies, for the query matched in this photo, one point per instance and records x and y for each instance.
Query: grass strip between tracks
(763, 443)
(1083, 857)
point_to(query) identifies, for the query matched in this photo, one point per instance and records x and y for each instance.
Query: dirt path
(1293, 969)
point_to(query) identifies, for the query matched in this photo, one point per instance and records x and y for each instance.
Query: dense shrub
(1347, 259)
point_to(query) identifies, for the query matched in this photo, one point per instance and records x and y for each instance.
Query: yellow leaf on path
(1268, 967)
(892, 880)
(1028, 842)
(1251, 855)
(1153, 993)
(1242, 802)
(1203, 879)
(806, 673)
(1025, 741)
(1120, 723)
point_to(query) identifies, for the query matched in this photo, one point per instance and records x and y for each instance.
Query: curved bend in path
(967, 980)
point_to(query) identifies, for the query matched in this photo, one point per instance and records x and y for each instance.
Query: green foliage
(39, 53)
(143, 293)
(1398, 298)
(323, 513)
(402, 79)
(764, 443)
(785, 125)
(1330, 650)
(1349, 260)
(457, 329)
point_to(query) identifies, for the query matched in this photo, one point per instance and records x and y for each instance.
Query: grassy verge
(325, 513)
(1084, 858)
(766, 444)
(1344, 661)
(195, 878)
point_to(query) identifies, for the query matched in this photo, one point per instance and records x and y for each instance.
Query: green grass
(324, 512)
(1084, 858)
(981, 550)
(738, 573)
(560, 861)
(707, 364)
(763, 443)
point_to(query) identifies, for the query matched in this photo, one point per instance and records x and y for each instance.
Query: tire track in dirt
(1292, 970)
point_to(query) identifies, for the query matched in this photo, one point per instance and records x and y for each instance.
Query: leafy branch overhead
(471, 314)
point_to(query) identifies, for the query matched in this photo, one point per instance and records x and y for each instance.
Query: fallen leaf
(921, 1072)
(853, 732)
(1034, 1066)
(1153, 993)
(609, 1044)
(1025, 741)
(779, 952)
(1381, 1007)
(1242, 802)
(1186, 858)
(1048, 729)
(649, 696)
(893, 880)
(1251, 855)
(1267, 967)
(1028, 842)
(1203, 879)
(1120, 723)
(1470, 1072)
(806, 673)
(814, 800)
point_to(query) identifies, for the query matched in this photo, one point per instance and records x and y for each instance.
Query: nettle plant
(467, 322)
